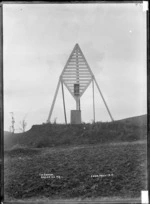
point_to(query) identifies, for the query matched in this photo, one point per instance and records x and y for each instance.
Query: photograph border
(2, 99)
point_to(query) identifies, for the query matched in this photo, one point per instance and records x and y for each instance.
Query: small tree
(12, 127)
(23, 124)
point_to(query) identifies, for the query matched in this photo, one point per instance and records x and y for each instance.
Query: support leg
(93, 102)
(103, 100)
(79, 105)
(64, 102)
(52, 106)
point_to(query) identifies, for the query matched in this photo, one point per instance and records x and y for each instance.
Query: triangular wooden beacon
(76, 76)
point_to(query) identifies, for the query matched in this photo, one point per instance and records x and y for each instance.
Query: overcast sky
(38, 39)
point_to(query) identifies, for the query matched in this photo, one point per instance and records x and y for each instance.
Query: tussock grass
(75, 152)
(54, 135)
(76, 165)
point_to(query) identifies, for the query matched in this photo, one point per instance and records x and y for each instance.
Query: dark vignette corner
(148, 103)
(1, 104)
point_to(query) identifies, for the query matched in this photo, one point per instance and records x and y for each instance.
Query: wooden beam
(72, 75)
(103, 100)
(69, 89)
(86, 62)
(53, 103)
(76, 80)
(69, 58)
(64, 102)
(86, 86)
(75, 59)
(75, 76)
(93, 102)
(81, 88)
(79, 57)
(75, 67)
(81, 83)
(71, 62)
(75, 73)
(72, 87)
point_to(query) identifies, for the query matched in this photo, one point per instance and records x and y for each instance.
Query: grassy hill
(50, 135)
(87, 161)
(120, 171)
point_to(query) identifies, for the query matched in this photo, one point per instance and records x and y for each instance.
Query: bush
(43, 143)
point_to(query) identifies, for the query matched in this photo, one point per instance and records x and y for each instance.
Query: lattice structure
(76, 73)
(76, 76)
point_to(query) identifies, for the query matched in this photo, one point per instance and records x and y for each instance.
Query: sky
(38, 39)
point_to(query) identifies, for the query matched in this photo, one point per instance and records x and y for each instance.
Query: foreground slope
(119, 170)
(101, 160)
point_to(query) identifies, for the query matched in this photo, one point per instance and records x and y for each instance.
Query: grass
(75, 165)
(72, 154)
(54, 135)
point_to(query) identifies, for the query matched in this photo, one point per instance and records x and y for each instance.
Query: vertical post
(12, 123)
(93, 102)
(77, 103)
(64, 102)
(52, 106)
(103, 100)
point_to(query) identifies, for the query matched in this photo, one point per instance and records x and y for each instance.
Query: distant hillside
(137, 120)
(50, 135)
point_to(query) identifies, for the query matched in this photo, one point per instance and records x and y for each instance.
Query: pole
(103, 100)
(79, 104)
(93, 102)
(52, 106)
(64, 102)
(12, 122)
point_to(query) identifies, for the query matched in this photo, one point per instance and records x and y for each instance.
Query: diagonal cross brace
(52, 106)
(103, 99)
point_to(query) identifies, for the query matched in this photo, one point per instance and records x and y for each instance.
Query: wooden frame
(77, 70)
